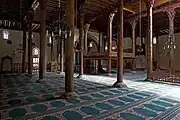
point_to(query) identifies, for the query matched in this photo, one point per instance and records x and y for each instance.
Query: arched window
(35, 54)
(5, 35)
(36, 51)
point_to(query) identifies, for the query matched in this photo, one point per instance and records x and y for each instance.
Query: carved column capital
(111, 16)
(133, 24)
(149, 3)
(171, 13)
(86, 27)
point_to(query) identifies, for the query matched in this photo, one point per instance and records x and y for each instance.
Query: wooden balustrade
(164, 76)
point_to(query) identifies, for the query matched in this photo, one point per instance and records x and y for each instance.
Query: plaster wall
(17, 37)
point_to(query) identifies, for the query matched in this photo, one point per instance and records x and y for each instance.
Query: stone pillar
(119, 83)
(149, 4)
(171, 14)
(24, 49)
(42, 40)
(81, 40)
(133, 24)
(109, 42)
(86, 28)
(30, 48)
(69, 66)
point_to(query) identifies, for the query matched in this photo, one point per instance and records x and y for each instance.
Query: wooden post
(157, 48)
(30, 16)
(81, 39)
(42, 40)
(30, 48)
(133, 24)
(101, 50)
(101, 42)
(119, 83)
(52, 49)
(149, 4)
(24, 49)
(111, 16)
(86, 28)
(62, 54)
(69, 69)
(171, 14)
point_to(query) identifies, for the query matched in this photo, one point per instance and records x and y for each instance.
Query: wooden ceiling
(96, 12)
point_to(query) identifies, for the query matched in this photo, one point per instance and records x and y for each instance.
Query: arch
(90, 39)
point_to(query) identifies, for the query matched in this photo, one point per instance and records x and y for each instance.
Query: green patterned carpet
(23, 99)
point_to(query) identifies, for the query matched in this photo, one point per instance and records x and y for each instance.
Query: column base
(148, 79)
(133, 71)
(29, 75)
(40, 81)
(62, 73)
(80, 76)
(109, 74)
(68, 95)
(119, 85)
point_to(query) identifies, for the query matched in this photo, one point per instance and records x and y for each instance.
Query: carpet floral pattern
(21, 98)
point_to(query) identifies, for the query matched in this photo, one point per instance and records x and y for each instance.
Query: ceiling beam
(156, 10)
(126, 9)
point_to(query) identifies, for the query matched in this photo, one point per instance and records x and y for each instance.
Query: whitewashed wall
(17, 37)
(6, 49)
(164, 57)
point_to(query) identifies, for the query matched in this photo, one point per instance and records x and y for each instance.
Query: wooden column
(24, 49)
(119, 83)
(157, 48)
(81, 39)
(133, 24)
(86, 28)
(101, 50)
(111, 16)
(52, 49)
(101, 42)
(30, 48)
(149, 4)
(42, 40)
(62, 54)
(171, 14)
(69, 66)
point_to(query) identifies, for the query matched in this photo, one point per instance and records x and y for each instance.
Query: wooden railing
(164, 76)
